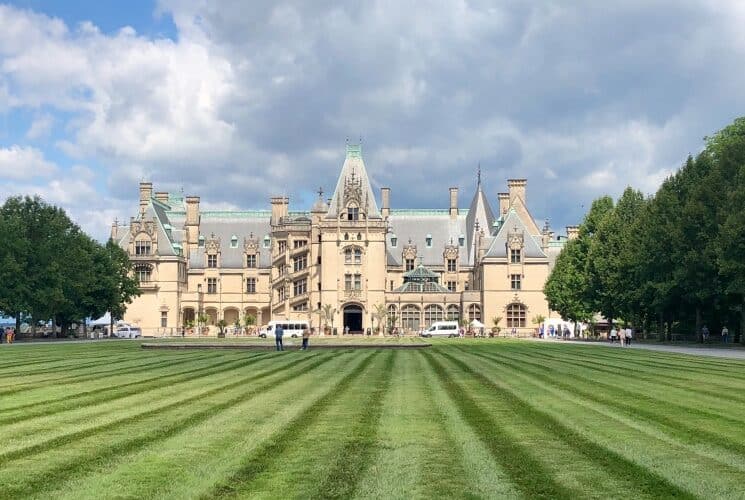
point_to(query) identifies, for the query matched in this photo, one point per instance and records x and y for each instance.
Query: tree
(565, 288)
(379, 313)
(123, 285)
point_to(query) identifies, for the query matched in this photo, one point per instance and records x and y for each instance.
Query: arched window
(347, 255)
(410, 317)
(432, 313)
(516, 316)
(392, 310)
(453, 313)
(357, 256)
(474, 312)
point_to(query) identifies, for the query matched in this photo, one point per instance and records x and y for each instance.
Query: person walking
(622, 336)
(306, 337)
(629, 336)
(705, 334)
(725, 334)
(278, 333)
(612, 335)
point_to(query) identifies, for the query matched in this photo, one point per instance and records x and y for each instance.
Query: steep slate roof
(353, 168)
(480, 211)
(498, 247)
(226, 224)
(416, 225)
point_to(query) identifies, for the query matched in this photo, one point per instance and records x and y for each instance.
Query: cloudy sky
(236, 101)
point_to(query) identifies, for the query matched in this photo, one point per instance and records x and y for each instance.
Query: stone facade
(368, 266)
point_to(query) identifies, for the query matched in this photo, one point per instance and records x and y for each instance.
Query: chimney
(572, 232)
(385, 202)
(504, 202)
(146, 192)
(162, 196)
(192, 220)
(115, 230)
(453, 202)
(517, 189)
(279, 208)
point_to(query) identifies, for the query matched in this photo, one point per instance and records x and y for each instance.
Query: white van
(442, 329)
(128, 332)
(291, 328)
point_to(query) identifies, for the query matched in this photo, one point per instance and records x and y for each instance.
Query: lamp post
(199, 308)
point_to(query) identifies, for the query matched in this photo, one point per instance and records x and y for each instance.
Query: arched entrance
(353, 318)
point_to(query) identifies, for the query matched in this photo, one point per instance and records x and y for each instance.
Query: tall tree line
(668, 263)
(51, 270)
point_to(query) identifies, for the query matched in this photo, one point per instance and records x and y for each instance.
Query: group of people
(622, 335)
(279, 333)
(705, 334)
(8, 335)
(554, 331)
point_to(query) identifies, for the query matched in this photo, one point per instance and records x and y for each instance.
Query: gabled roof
(354, 177)
(513, 223)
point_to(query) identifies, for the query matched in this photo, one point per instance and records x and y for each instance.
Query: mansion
(361, 264)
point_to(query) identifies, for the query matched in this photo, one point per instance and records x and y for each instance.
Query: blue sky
(238, 101)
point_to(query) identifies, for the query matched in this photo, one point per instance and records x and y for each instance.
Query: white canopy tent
(476, 324)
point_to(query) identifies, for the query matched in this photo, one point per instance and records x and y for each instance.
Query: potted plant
(221, 326)
(495, 329)
(538, 319)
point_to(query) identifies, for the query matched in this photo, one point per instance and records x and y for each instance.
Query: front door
(353, 319)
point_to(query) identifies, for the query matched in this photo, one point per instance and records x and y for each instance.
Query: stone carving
(212, 245)
(409, 251)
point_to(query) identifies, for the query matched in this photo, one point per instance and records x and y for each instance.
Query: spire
(480, 216)
(353, 186)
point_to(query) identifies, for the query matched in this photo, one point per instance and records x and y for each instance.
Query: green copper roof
(354, 150)
(420, 273)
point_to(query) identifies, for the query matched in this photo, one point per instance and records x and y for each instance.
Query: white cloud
(17, 162)
(40, 127)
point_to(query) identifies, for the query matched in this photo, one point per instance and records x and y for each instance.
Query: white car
(442, 329)
(128, 332)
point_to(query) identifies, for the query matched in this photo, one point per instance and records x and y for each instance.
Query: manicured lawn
(486, 418)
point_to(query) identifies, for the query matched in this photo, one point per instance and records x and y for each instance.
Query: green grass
(462, 419)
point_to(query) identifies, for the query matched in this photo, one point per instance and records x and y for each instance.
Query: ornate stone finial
(477, 226)
(478, 175)
(320, 192)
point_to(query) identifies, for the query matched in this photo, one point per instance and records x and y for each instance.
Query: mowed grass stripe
(132, 365)
(51, 365)
(359, 445)
(175, 399)
(28, 479)
(189, 462)
(262, 458)
(719, 427)
(63, 389)
(660, 387)
(708, 386)
(653, 359)
(525, 472)
(416, 456)
(108, 394)
(685, 370)
(636, 477)
(631, 436)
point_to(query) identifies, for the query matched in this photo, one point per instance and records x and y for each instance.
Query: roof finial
(320, 192)
(478, 175)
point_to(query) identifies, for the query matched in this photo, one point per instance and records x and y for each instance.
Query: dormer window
(201, 241)
(267, 241)
(142, 247)
(429, 241)
(394, 241)
(353, 213)
(234, 242)
(212, 261)
(461, 240)
(515, 255)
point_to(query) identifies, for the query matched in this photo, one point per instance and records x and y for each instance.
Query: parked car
(441, 329)
(128, 332)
